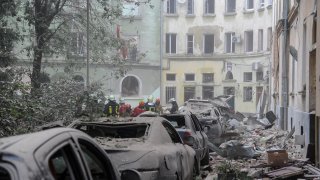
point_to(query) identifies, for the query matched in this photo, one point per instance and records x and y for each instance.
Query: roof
(28, 142)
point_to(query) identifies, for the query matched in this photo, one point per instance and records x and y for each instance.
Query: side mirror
(130, 174)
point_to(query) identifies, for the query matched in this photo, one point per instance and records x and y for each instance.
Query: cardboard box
(277, 157)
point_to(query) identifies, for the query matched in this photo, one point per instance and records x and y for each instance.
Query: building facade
(295, 71)
(214, 47)
(139, 76)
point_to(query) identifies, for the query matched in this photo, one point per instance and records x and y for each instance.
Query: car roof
(28, 142)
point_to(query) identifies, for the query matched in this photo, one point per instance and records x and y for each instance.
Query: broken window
(189, 93)
(249, 4)
(190, 7)
(207, 77)
(171, 6)
(207, 92)
(247, 94)
(208, 43)
(170, 93)
(248, 36)
(189, 77)
(230, 6)
(171, 77)
(229, 42)
(171, 43)
(209, 7)
(260, 40)
(190, 44)
(259, 76)
(130, 9)
(131, 48)
(77, 43)
(130, 87)
(269, 41)
(247, 76)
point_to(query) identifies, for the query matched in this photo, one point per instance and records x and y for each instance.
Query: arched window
(130, 87)
(229, 75)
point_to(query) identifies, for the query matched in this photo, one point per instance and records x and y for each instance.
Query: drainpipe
(284, 75)
(161, 47)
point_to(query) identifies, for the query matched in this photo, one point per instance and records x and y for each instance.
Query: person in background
(150, 106)
(125, 109)
(111, 108)
(158, 106)
(138, 110)
(174, 106)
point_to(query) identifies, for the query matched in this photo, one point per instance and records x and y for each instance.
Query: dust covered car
(59, 153)
(149, 145)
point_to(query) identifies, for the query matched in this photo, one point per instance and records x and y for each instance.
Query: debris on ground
(258, 149)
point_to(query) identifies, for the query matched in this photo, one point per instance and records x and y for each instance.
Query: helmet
(150, 98)
(141, 104)
(158, 100)
(111, 98)
(121, 100)
(172, 100)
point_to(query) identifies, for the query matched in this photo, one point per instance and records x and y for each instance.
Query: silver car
(149, 145)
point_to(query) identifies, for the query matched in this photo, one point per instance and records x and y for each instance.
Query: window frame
(259, 72)
(245, 98)
(190, 7)
(247, 5)
(168, 79)
(188, 41)
(169, 96)
(247, 50)
(245, 74)
(203, 91)
(204, 75)
(204, 43)
(169, 9)
(184, 92)
(169, 43)
(227, 10)
(232, 43)
(167, 126)
(185, 77)
(260, 40)
(207, 8)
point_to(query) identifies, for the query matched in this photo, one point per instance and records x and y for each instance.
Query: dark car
(149, 145)
(192, 133)
(59, 153)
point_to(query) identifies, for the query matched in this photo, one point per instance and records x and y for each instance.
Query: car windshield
(115, 131)
(176, 121)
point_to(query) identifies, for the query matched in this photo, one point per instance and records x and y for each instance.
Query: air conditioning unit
(236, 39)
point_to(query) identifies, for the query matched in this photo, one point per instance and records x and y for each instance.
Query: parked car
(58, 153)
(149, 145)
(192, 133)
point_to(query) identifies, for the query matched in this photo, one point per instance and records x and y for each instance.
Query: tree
(7, 34)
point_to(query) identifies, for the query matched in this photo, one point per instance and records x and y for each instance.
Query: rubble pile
(260, 150)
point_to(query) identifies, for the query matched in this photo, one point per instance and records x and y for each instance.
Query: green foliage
(226, 167)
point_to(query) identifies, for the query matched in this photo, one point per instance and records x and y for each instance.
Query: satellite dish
(181, 1)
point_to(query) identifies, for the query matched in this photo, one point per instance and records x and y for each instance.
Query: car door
(184, 166)
(200, 132)
(58, 159)
(96, 161)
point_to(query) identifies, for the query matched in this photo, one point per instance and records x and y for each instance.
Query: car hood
(133, 153)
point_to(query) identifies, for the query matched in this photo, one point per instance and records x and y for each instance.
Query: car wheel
(206, 159)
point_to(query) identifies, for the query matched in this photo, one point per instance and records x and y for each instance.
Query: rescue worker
(150, 106)
(158, 106)
(138, 110)
(174, 106)
(125, 109)
(112, 107)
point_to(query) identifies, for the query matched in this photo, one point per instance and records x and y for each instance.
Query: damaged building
(295, 71)
(221, 51)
